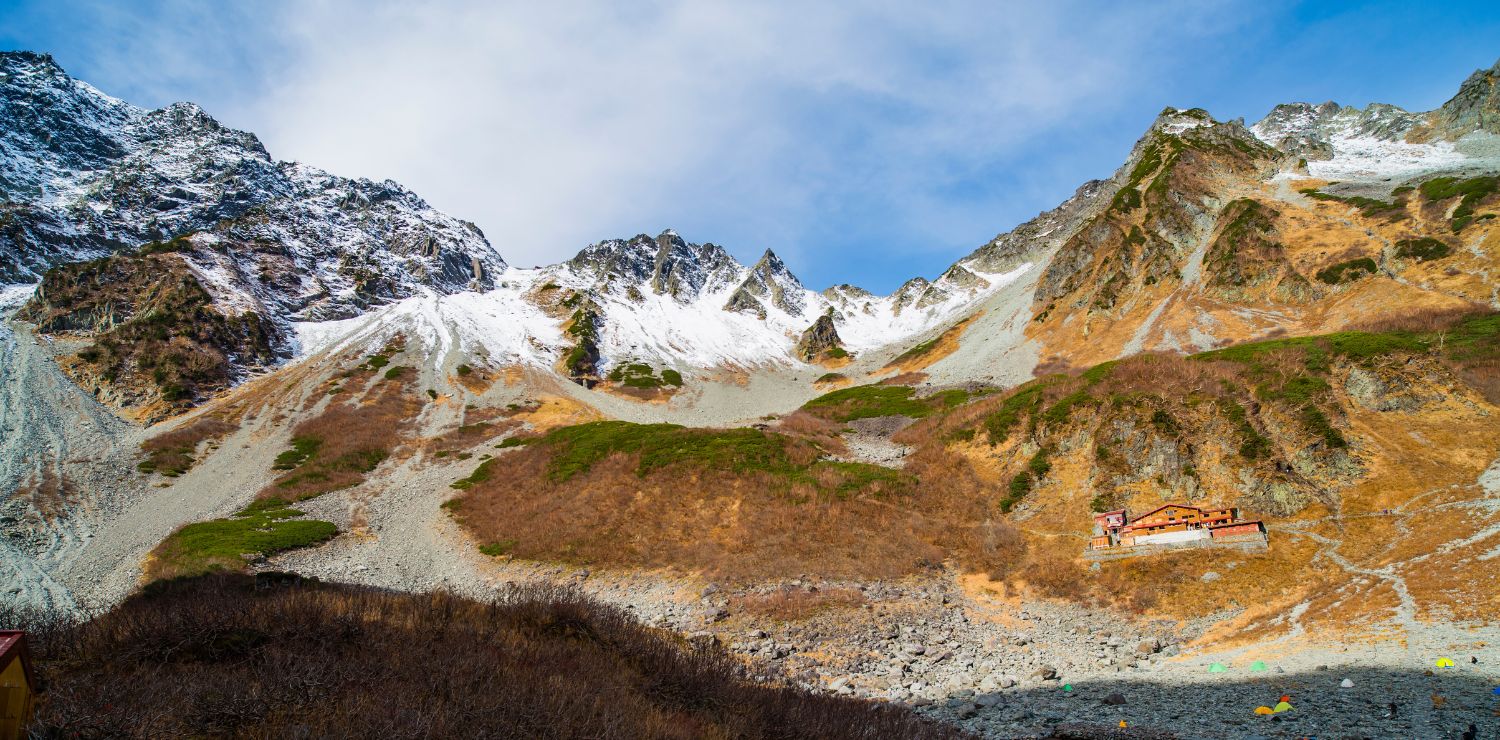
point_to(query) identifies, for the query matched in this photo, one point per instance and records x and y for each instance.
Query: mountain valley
(213, 362)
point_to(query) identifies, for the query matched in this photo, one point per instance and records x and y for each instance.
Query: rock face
(1312, 131)
(160, 341)
(664, 265)
(1165, 205)
(819, 340)
(84, 175)
(1308, 130)
(771, 282)
(1476, 107)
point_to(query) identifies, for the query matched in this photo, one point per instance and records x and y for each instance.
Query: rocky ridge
(84, 175)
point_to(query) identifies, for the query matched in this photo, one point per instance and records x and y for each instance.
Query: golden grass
(351, 437)
(945, 344)
(735, 526)
(173, 453)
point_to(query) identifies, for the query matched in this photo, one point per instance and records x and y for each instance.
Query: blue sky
(865, 143)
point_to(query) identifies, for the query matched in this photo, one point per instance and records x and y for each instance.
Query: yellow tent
(1445, 662)
(1264, 710)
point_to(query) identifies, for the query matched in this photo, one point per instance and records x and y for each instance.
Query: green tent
(1216, 668)
(1259, 665)
(1282, 706)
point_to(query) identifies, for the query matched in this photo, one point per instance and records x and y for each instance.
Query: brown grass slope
(1342, 443)
(273, 656)
(1361, 450)
(1198, 246)
(740, 504)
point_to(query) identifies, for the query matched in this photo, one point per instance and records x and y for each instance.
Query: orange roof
(1168, 506)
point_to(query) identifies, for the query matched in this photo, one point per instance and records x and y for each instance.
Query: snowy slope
(1385, 142)
(662, 301)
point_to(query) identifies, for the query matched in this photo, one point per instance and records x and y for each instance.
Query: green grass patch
(464, 369)
(266, 527)
(1423, 249)
(375, 362)
(496, 549)
(1473, 190)
(576, 449)
(1367, 206)
(831, 377)
(1253, 444)
(1059, 412)
(509, 442)
(481, 474)
(302, 449)
(643, 376)
(1354, 345)
(1023, 483)
(917, 351)
(1316, 422)
(1348, 271)
(869, 401)
(1018, 404)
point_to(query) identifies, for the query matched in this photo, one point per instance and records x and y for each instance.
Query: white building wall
(1186, 535)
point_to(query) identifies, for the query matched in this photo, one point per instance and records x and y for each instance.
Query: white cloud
(753, 124)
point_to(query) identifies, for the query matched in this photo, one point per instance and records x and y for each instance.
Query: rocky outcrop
(820, 340)
(84, 175)
(1165, 205)
(1476, 107)
(664, 265)
(158, 340)
(769, 281)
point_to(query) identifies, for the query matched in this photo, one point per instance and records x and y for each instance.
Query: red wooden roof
(1169, 506)
(13, 647)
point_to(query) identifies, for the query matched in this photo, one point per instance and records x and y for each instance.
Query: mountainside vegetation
(739, 503)
(274, 655)
(157, 342)
(1281, 428)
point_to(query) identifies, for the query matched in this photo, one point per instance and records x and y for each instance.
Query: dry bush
(1484, 376)
(276, 656)
(348, 441)
(802, 424)
(51, 495)
(1169, 376)
(823, 432)
(791, 604)
(1056, 365)
(1422, 320)
(1058, 578)
(477, 428)
(172, 453)
(907, 378)
(738, 526)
